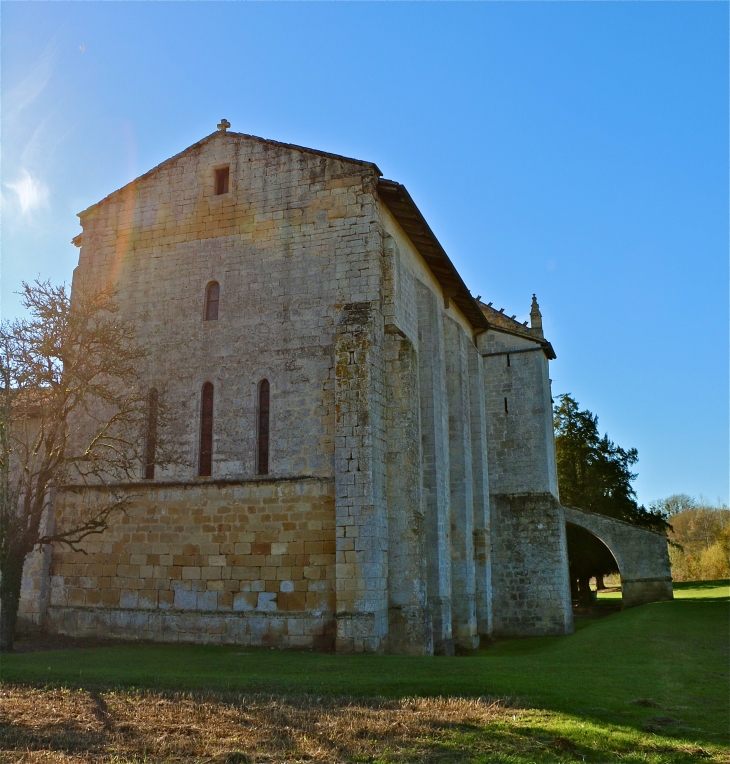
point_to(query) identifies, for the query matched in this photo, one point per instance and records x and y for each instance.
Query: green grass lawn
(646, 684)
(693, 590)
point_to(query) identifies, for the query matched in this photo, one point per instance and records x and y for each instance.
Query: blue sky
(574, 150)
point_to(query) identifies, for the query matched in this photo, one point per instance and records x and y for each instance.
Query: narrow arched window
(151, 446)
(212, 297)
(263, 439)
(206, 431)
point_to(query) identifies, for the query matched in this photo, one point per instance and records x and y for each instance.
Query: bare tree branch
(73, 411)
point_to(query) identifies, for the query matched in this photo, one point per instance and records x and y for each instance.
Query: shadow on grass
(68, 737)
(224, 727)
(702, 591)
(701, 585)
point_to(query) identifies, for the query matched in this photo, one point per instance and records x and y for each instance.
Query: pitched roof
(501, 323)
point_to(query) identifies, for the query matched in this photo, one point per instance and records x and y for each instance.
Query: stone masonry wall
(296, 246)
(34, 590)
(531, 588)
(480, 477)
(362, 521)
(409, 621)
(461, 488)
(249, 563)
(435, 464)
(520, 435)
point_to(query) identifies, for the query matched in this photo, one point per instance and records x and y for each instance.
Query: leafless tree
(73, 411)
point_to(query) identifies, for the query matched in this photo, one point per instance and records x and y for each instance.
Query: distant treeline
(700, 537)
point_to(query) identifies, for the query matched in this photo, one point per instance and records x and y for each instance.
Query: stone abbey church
(370, 463)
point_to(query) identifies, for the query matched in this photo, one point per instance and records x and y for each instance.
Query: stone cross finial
(224, 125)
(535, 316)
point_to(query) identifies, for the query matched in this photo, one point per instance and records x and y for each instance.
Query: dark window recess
(506, 410)
(508, 363)
(212, 298)
(221, 181)
(206, 431)
(149, 467)
(263, 460)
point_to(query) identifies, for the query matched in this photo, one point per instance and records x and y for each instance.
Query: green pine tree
(593, 472)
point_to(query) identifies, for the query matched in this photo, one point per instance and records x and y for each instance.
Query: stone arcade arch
(579, 555)
(642, 556)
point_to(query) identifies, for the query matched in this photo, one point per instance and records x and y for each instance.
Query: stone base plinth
(638, 592)
(293, 630)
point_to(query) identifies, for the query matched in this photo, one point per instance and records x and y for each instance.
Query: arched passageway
(588, 557)
(641, 555)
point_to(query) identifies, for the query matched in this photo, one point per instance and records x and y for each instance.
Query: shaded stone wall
(409, 621)
(480, 477)
(250, 563)
(642, 556)
(520, 435)
(530, 584)
(36, 583)
(435, 465)
(461, 488)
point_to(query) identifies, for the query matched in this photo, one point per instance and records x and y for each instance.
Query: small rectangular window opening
(506, 410)
(263, 460)
(221, 181)
(508, 363)
(149, 470)
(205, 465)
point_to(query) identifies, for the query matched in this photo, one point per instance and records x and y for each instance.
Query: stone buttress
(530, 584)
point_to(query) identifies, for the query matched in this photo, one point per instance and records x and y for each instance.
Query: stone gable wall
(296, 247)
(294, 240)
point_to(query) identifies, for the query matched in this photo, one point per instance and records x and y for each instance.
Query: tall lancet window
(205, 466)
(151, 446)
(263, 434)
(212, 297)
(221, 180)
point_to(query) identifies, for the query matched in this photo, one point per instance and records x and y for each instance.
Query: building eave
(501, 323)
(397, 199)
